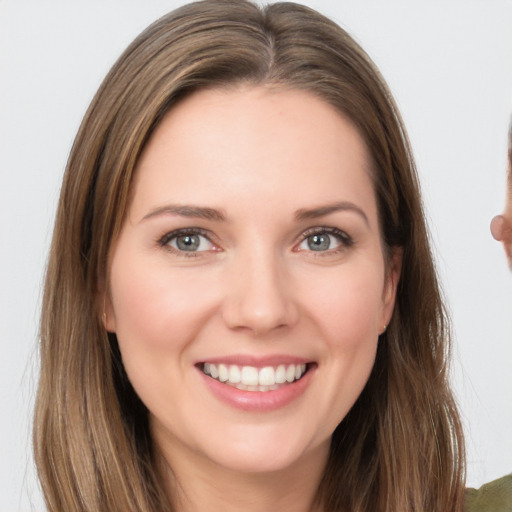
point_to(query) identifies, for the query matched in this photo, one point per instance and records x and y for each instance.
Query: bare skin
(501, 225)
(252, 244)
(195, 490)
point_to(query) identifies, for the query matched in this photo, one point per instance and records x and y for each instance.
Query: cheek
(153, 305)
(346, 310)
(348, 307)
(158, 314)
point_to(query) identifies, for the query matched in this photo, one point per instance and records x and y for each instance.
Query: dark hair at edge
(400, 447)
(510, 151)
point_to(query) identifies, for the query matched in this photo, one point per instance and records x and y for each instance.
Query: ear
(393, 271)
(501, 230)
(106, 308)
(498, 227)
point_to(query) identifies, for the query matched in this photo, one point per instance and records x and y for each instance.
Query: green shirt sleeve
(495, 496)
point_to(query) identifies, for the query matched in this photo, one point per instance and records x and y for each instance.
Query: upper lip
(256, 361)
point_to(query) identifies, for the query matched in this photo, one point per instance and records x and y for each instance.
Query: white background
(449, 64)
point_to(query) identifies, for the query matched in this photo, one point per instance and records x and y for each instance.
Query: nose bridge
(259, 295)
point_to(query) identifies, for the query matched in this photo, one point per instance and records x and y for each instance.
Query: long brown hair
(400, 447)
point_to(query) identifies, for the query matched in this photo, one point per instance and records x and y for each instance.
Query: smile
(250, 378)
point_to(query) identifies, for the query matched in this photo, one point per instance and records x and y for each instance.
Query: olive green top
(495, 496)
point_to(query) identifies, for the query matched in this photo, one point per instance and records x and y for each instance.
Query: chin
(251, 463)
(267, 454)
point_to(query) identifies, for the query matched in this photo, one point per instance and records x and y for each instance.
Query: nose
(259, 296)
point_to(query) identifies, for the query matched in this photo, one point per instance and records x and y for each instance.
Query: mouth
(251, 378)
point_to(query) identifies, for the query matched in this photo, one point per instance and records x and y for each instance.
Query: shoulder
(496, 496)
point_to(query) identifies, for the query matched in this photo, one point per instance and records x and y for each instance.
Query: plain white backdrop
(449, 65)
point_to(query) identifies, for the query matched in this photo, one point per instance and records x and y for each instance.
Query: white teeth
(290, 373)
(223, 373)
(281, 374)
(249, 378)
(267, 377)
(214, 371)
(234, 374)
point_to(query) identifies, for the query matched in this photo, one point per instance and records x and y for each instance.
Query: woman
(241, 308)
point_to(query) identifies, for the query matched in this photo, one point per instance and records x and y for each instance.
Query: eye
(187, 241)
(324, 240)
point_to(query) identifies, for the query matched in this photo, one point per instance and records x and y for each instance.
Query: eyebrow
(321, 211)
(201, 212)
(197, 212)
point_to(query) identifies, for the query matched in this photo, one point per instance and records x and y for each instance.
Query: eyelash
(343, 238)
(168, 237)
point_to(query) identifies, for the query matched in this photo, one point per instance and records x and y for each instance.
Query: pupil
(188, 242)
(319, 242)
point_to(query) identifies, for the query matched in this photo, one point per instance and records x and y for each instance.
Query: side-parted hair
(400, 448)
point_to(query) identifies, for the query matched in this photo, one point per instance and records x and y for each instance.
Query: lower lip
(259, 401)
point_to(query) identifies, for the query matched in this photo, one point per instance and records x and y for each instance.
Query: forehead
(256, 111)
(253, 142)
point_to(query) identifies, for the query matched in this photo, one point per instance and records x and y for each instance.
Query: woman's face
(248, 285)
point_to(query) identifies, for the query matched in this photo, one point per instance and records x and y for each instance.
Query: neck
(198, 485)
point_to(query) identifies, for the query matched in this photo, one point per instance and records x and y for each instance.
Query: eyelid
(345, 240)
(164, 240)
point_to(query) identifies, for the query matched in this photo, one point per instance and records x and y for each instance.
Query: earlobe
(501, 230)
(497, 227)
(106, 309)
(108, 317)
(391, 284)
